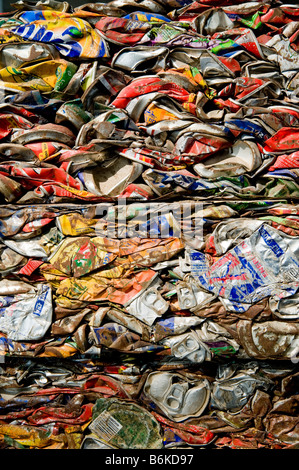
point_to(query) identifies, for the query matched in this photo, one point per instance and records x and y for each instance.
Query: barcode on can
(105, 426)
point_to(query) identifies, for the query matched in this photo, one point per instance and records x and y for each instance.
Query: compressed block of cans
(149, 256)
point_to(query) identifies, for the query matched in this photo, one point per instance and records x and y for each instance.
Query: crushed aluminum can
(269, 339)
(27, 316)
(233, 393)
(178, 397)
(188, 346)
(112, 177)
(260, 264)
(149, 305)
(114, 422)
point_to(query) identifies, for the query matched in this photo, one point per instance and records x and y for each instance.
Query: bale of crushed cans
(149, 221)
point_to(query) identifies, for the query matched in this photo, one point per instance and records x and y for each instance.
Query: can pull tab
(154, 300)
(187, 346)
(175, 397)
(186, 296)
